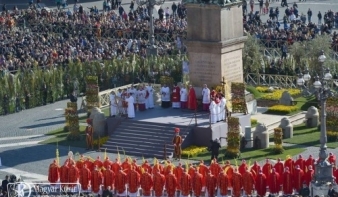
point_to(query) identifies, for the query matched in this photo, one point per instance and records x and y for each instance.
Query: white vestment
(150, 99)
(141, 96)
(218, 112)
(184, 95)
(132, 92)
(222, 108)
(113, 105)
(165, 92)
(206, 96)
(130, 109)
(213, 112)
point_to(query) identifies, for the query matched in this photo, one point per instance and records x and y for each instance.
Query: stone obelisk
(215, 41)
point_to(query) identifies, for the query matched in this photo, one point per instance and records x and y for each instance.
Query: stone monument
(215, 41)
(99, 122)
(286, 127)
(286, 99)
(312, 117)
(261, 133)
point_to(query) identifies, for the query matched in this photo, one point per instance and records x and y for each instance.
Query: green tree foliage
(252, 55)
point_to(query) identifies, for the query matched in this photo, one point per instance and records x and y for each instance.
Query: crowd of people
(291, 177)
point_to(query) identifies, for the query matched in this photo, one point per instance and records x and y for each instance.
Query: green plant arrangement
(92, 92)
(233, 148)
(277, 94)
(193, 151)
(278, 140)
(238, 98)
(72, 123)
(282, 109)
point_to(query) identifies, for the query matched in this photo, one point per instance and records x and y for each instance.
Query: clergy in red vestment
(310, 162)
(159, 182)
(237, 183)
(146, 182)
(279, 167)
(147, 166)
(80, 163)
(74, 175)
(70, 159)
(308, 175)
(191, 170)
(126, 165)
(203, 170)
(107, 163)
(248, 182)
(89, 164)
(97, 180)
(298, 178)
(116, 166)
(229, 170)
(256, 167)
(167, 168)
(197, 183)
(171, 184)
(287, 182)
(64, 178)
(215, 168)
(335, 174)
(178, 171)
(274, 182)
(136, 167)
(192, 101)
(120, 183)
(290, 164)
(98, 163)
(85, 177)
(213, 93)
(332, 159)
(211, 185)
(185, 184)
(108, 177)
(175, 97)
(261, 183)
(300, 162)
(267, 168)
(133, 180)
(157, 168)
(242, 168)
(223, 184)
(53, 172)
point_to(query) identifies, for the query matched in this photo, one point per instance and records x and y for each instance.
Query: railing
(271, 80)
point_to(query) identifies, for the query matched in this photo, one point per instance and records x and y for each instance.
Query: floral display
(72, 121)
(282, 109)
(263, 89)
(277, 94)
(92, 92)
(193, 151)
(332, 136)
(331, 119)
(238, 98)
(278, 140)
(100, 141)
(234, 137)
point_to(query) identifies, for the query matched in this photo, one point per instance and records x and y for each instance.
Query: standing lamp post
(323, 169)
(152, 49)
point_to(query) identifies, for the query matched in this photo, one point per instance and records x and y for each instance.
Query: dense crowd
(46, 38)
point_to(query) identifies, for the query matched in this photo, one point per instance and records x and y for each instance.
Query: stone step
(132, 151)
(164, 132)
(146, 145)
(149, 127)
(138, 139)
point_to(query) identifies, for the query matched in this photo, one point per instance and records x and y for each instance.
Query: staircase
(139, 138)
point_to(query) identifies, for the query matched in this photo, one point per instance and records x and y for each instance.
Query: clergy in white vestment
(113, 104)
(133, 92)
(131, 108)
(184, 97)
(165, 96)
(141, 99)
(150, 99)
(119, 104)
(218, 108)
(205, 97)
(223, 108)
(213, 112)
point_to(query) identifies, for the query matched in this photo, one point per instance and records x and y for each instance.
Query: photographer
(214, 148)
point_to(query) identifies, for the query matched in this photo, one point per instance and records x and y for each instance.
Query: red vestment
(215, 169)
(203, 170)
(108, 178)
(332, 159)
(89, 165)
(175, 96)
(85, 178)
(120, 182)
(97, 180)
(213, 94)
(197, 184)
(107, 163)
(98, 163)
(267, 169)
(335, 174)
(70, 162)
(146, 183)
(237, 184)
(242, 168)
(298, 178)
(211, 184)
(229, 172)
(133, 180)
(53, 173)
(279, 167)
(185, 184)
(73, 174)
(256, 167)
(290, 164)
(301, 163)
(171, 184)
(147, 167)
(178, 171)
(126, 166)
(248, 182)
(274, 183)
(79, 164)
(261, 184)
(157, 168)
(167, 170)
(223, 184)
(64, 178)
(310, 162)
(191, 171)
(116, 167)
(192, 102)
(287, 183)
(159, 181)
(308, 176)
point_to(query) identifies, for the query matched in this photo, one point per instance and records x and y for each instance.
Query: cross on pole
(223, 82)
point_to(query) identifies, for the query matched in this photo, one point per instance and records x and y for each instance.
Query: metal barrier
(271, 80)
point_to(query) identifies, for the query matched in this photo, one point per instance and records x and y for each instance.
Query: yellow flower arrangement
(193, 151)
(282, 109)
(277, 94)
(262, 89)
(102, 141)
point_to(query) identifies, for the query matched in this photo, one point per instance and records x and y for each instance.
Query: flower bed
(92, 92)
(332, 136)
(282, 109)
(263, 89)
(100, 142)
(193, 151)
(233, 139)
(238, 98)
(277, 94)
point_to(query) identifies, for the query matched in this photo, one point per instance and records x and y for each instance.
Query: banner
(185, 67)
